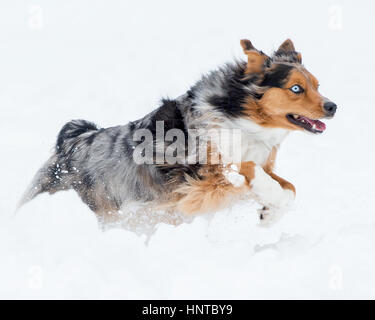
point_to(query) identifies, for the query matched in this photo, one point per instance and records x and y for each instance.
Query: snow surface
(110, 62)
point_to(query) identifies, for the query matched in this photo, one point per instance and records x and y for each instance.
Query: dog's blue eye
(296, 89)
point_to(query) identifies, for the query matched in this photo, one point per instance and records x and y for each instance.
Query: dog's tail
(42, 181)
(50, 177)
(72, 130)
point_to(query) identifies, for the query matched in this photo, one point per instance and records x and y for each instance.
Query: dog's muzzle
(330, 108)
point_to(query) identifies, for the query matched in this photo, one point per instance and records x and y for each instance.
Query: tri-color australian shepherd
(157, 163)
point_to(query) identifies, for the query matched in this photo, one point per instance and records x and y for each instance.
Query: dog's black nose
(330, 108)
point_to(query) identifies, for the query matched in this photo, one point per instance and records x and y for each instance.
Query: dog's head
(287, 94)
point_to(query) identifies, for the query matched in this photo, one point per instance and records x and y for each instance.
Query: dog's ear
(255, 59)
(287, 47)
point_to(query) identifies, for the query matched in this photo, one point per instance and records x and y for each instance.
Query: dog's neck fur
(216, 101)
(257, 142)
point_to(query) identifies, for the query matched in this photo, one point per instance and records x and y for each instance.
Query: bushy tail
(42, 181)
(48, 177)
(72, 130)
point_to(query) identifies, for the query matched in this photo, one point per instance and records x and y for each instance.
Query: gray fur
(99, 164)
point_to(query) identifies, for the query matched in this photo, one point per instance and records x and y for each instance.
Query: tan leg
(283, 183)
(269, 166)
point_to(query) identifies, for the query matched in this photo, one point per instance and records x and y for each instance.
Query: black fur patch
(73, 129)
(170, 114)
(277, 76)
(190, 94)
(234, 94)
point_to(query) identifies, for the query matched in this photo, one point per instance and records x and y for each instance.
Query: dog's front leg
(286, 185)
(271, 191)
(273, 213)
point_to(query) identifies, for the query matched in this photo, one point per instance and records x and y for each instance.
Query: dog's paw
(269, 216)
(277, 198)
(273, 211)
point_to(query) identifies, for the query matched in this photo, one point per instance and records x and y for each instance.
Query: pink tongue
(319, 125)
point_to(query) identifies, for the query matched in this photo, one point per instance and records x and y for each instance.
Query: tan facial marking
(271, 110)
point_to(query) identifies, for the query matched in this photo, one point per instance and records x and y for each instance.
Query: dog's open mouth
(311, 125)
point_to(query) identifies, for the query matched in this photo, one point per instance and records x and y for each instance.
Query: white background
(110, 62)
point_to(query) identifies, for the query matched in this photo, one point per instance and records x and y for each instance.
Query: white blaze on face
(268, 191)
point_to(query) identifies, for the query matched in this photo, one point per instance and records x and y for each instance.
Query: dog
(263, 99)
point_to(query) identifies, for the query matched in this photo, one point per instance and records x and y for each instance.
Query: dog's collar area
(311, 125)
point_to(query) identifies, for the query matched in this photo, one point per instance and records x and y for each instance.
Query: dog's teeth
(295, 116)
(314, 126)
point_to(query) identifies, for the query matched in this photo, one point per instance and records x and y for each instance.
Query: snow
(232, 175)
(110, 62)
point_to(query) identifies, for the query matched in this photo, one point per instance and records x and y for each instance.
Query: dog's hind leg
(214, 191)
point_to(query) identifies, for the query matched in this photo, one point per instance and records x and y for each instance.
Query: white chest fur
(257, 142)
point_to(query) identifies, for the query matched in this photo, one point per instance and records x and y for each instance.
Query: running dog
(263, 99)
